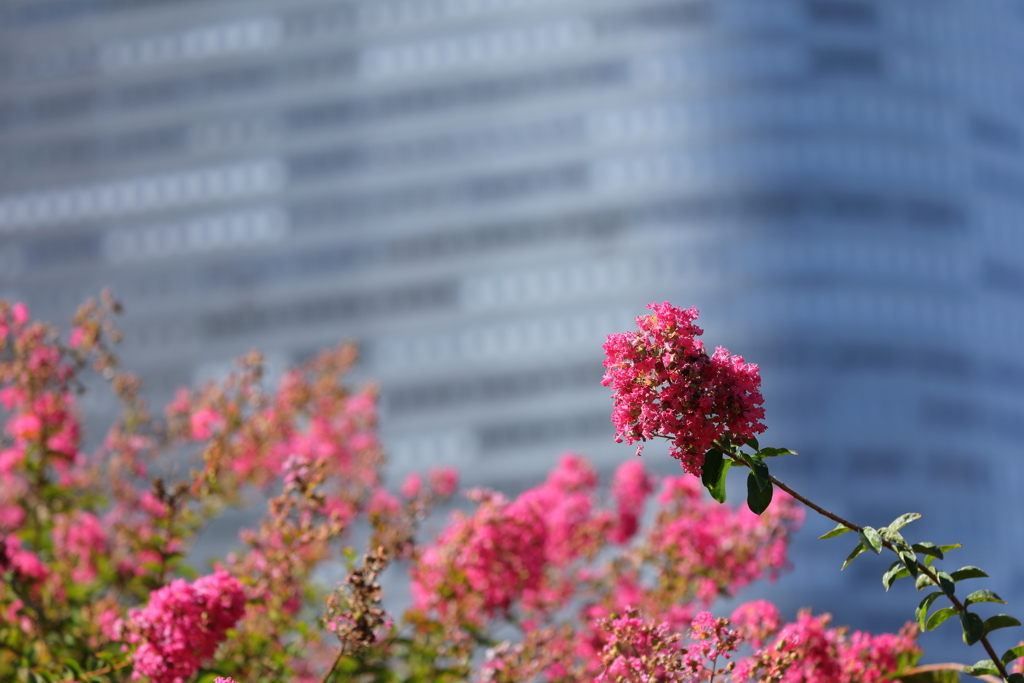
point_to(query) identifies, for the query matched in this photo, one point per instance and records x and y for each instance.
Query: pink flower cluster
(808, 651)
(182, 625)
(664, 383)
(741, 547)
(640, 651)
(501, 554)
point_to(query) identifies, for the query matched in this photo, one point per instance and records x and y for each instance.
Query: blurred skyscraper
(478, 191)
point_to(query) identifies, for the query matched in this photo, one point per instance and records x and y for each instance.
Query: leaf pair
(759, 485)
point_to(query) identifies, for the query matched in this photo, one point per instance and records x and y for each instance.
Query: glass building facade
(478, 191)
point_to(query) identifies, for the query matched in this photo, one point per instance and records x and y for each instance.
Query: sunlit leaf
(896, 571)
(870, 538)
(981, 668)
(718, 490)
(983, 596)
(904, 520)
(1000, 621)
(921, 613)
(853, 555)
(838, 531)
(968, 573)
(938, 617)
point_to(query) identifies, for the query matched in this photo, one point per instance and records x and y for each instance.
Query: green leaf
(921, 613)
(718, 490)
(1000, 621)
(968, 573)
(893, 573)
(981, 668)
(752, 442)
(1012, 654)
(927, 548)
(939, 676)
(1015, 678)
(983, 596)
(909, 560)
(853, 555)
(923, 581)
(838, 531)
(940, 616)
(972, 626)
(758, 499)
(774, 452)
(946, 583)
(73, 666)
(870, 538)
(711, 468)
(760, 471)
(904, 520)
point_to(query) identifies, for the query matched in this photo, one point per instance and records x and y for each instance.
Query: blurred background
(478, 191)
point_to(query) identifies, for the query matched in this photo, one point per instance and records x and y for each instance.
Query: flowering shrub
(566, 581)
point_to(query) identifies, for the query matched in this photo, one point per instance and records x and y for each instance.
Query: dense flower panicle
(664, 383)
(503, 552)
(182, 625)
(637, 650)
(756, 621)
(80, 540)
(695, 535)
(809, 651)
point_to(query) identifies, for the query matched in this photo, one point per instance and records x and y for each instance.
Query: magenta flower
(664, 383)
(182, 626)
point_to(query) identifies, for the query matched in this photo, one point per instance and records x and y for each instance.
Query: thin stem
(334, 664)
(817, 508)
(714, 665)
(927, 570)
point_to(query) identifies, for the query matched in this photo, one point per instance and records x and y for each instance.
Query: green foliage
(1000, 621)
(968, 573)
(903, 520)
(871, 539)
(928, 548)
(938, 617)
(1012, 654)
(973, 627)
(921, 613)
(758, 498)
(981, 668)
(838, 531)
(983, 596)
(895, 572)
(774, 452)
(853, 555)
(714, 472)
(938, 676)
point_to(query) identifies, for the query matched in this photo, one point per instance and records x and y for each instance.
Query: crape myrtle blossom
(806, 651)
(664, 383)
(535, 561)
(809, 651)
(182, 625)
